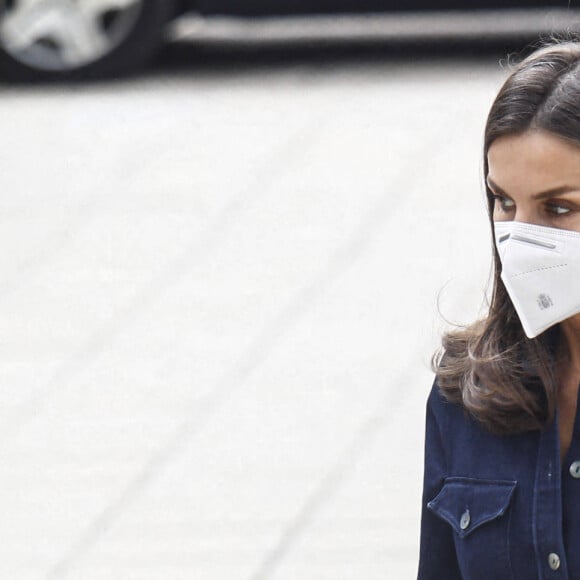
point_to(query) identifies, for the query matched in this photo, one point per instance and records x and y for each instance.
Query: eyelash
(551, 207)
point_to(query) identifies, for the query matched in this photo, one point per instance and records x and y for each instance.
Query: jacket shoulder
(440, 406)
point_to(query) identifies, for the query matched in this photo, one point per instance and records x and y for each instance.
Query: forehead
(533, 161)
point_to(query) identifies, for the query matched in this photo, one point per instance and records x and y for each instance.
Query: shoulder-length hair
(505, 380)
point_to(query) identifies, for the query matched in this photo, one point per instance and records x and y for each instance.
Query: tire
(79, 39)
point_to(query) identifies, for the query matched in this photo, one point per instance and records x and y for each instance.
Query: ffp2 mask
(540, 271)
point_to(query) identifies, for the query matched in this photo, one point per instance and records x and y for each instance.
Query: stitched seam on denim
(508, 544)
(452, 520)
(482, 482)
(538, 270)
(535, 510)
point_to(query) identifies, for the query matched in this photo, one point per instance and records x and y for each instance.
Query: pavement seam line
(96, 343)
(330, 483)
(258, 351)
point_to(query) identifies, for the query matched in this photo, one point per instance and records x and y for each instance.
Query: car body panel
(52, 40)
(287, 7)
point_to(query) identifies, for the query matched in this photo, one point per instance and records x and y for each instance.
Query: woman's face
(535, 179)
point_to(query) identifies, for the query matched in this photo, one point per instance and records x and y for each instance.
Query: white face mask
(541, 272)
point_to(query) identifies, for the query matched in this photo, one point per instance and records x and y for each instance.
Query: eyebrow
(541, 195)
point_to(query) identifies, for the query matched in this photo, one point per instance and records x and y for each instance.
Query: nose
(528, 216)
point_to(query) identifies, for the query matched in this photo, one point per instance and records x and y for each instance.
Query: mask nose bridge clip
(533, 242)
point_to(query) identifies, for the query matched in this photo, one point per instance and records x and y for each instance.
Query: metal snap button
(575, 469)
(465, 520)
(554, 561)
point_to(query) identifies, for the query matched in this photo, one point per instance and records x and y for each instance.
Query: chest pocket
(478, 512)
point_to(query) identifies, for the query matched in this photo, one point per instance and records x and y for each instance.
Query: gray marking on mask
(504, 238)
(533, 242)
(544, 301)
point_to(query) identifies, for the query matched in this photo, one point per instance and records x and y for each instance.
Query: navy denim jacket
(497, 508)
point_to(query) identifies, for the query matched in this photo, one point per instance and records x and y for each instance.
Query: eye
(504, 203)
(557, 209)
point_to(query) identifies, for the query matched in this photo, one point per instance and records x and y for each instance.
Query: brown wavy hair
(505, 380)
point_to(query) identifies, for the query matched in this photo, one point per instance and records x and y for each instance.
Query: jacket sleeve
(437, 557)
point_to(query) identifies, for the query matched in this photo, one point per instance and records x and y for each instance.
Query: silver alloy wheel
(63, 35)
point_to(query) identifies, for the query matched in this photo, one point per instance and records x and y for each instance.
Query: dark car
(63, 38)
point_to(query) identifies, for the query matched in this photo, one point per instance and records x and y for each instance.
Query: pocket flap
(466, 504)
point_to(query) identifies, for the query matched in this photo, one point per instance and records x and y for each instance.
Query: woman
(501, 496)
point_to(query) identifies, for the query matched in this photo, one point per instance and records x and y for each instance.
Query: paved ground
(218, 302)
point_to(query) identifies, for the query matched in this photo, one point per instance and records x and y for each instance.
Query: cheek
(571, 223)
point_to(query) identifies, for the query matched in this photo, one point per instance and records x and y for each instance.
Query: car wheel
(62, 39)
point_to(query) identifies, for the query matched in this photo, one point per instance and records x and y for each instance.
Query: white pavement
(218, 302)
